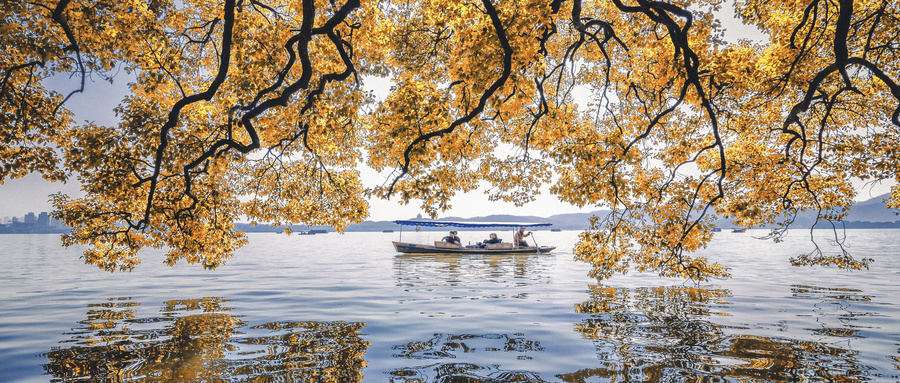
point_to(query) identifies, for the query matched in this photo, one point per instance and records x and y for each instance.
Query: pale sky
(31, 193)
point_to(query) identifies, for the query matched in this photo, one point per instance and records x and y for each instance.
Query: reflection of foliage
(838, 299)
(463, 372)
(451, 346)
(445, 345)
(647, 334)
(842, 294)
(114, 345)
(307, 351)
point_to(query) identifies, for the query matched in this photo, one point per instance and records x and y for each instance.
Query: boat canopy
(468, 224)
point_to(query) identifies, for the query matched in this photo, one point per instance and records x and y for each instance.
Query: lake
(347, 308)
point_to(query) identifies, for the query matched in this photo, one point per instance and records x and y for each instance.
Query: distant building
(33, 224)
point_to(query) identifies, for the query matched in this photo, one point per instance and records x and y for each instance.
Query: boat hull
(416, 248)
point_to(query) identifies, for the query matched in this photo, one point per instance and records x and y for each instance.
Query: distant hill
(871, 213)
(573, 221)
(872, 210)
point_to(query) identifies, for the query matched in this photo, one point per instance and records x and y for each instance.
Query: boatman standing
(520, 237)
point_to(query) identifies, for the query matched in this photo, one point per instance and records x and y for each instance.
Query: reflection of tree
(448, 345)
(835, 303)
(307, 351)
(417, 270)
(444, 347)
(650, 334)
(196, 341)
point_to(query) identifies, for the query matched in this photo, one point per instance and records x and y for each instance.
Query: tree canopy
(257, 109)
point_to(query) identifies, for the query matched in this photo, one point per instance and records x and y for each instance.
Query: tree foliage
(256, 108)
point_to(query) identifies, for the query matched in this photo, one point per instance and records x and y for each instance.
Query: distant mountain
(571, 221)
(871, 213)
(574, 221)
(873, 210)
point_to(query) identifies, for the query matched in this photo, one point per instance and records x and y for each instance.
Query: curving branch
(175, 113)
(258, 107)
(664, 14)
(72, 47)
(482, 102)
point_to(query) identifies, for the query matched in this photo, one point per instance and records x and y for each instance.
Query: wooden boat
(444, 247)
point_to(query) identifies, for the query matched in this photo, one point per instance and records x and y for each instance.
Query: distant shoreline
(26, 229)
(382, 226)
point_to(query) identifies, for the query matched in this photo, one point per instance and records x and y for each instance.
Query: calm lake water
(347, 308)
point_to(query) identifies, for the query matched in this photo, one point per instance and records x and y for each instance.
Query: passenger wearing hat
(452, 238)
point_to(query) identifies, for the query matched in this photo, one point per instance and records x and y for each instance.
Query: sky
(31, 193)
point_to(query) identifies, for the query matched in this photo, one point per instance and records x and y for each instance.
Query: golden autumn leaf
(257, 110)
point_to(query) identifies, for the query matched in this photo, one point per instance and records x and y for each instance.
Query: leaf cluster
(256, 109)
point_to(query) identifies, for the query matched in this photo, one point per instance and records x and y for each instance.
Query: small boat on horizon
(492, 248)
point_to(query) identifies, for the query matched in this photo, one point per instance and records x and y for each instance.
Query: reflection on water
(421, 272)
(639, 334)
(429, 270)
(198, 340)
(466, 357)
(835, 303)
(831, 293)
(462, 373)
(648, 334)
(336, 309)
(445, 347)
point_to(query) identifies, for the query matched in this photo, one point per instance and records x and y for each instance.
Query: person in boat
(492, 239)
(520, 237)
(452, 238)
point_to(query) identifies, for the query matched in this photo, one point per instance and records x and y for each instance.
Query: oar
(536, 247)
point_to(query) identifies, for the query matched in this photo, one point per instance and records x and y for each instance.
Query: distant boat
(444, 247)
(738, 230)
(555, 229)
(716, 229)
(387, 231)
